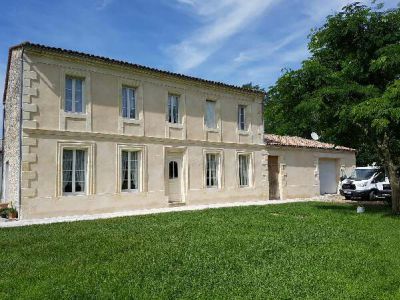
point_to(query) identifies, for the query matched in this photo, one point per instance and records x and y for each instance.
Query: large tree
(349, 89)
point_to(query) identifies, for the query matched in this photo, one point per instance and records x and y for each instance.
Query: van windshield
(362, 174)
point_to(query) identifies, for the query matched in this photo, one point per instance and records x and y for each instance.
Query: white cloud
(104, 3)
(222, 19)
(268, 48)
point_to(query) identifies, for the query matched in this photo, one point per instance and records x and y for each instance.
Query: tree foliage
(348, 90)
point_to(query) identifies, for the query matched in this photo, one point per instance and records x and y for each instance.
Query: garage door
(327, 176)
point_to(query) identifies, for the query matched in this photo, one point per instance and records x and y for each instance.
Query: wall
(46, 128)
(299, 174)
(103, 95)
(104, 191)
(11, 143)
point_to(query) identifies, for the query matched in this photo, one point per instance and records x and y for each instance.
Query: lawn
(302, 250)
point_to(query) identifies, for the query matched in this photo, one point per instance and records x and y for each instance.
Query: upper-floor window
(242, 117)
(210, 115)
(173, 109)
(128, 103)
(74, 171)
(74, 100)
(212, 170)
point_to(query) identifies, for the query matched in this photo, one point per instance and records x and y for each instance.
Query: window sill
(213, 188)
(245, 187)
(132, 121)
(75, 115)
(243, 132)
(216, 130)
(175, 125)
(129, 192)
(73, 194)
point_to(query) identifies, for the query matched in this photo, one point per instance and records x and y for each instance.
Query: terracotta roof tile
(298, 142)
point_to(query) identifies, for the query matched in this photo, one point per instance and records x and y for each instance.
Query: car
(366, 183)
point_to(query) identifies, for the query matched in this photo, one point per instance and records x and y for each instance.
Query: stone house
(88, 134)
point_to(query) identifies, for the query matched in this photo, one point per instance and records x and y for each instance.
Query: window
(74, 101)
(173, 169)
(173, 109)
(130, 170)
(128, 103)
(212, 169)
(74, 171)
(244, 161)
(242, 117)
(209, 116)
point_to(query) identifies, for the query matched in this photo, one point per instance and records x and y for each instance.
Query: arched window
(173, 169)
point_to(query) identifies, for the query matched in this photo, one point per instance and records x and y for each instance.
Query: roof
(39, 47)
(298, 142)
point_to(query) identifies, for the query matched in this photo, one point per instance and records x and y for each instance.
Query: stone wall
(12, 129)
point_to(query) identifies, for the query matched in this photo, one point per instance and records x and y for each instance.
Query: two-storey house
(87, 134)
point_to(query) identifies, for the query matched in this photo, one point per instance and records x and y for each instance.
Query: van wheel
(372, 196)
(347, 197)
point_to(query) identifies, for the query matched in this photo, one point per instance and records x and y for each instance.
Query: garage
(327, 176)
(305, 168)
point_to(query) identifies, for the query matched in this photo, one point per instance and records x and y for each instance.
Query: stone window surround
(248, 116)
(87, 102)
(218, 120)
(182, 107)
(182, 111)
(251, 169)
(142, 167)
(221, 172)
(90, 178)
(138, 86)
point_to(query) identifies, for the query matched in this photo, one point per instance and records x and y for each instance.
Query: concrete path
(140, 212)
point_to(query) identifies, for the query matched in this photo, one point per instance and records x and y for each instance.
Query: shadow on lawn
(351, 208)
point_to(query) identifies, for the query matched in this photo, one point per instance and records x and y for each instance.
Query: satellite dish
(314, 136)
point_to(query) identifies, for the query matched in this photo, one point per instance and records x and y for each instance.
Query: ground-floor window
(212, 169)
(130, 170)
(74, 171)
(244, 163)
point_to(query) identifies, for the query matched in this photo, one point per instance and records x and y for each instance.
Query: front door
(174, 173)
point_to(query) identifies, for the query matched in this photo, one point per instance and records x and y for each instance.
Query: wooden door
(273, 177)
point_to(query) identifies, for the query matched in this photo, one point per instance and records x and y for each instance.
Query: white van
(366, 183)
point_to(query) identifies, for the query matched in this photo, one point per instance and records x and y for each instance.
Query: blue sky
(233, 41)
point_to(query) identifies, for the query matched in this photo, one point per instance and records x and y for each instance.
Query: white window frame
(142, 171)
(220, 171)
(239, 123)
(248, 157)
(215, 115)
(73, 108)
(139, 170)
(128, 117)
(250, 169)
(170, 109)
(73, 192)
(89, 147)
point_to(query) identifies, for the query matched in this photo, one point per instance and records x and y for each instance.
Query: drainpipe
(20, 132)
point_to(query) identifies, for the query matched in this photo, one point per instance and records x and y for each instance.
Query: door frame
(182, 151)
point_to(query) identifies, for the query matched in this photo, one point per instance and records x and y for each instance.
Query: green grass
(303, 250)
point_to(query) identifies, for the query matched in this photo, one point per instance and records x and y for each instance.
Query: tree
(348, 90)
